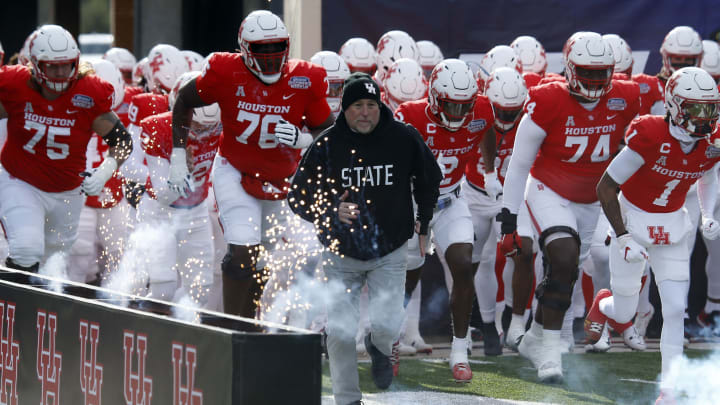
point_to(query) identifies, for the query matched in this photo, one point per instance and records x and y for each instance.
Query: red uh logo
(658, 235)
(91, 372)
(49, 362)
(9, 353)
(137, 387)
(156, 62)
(185, 394)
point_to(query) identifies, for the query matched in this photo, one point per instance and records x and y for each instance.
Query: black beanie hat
(358, 86)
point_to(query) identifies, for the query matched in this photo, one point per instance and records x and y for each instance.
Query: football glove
(179, 179)
(631, 251)
(710, 228)
(510, 242)
(96, 179)
(290, 135)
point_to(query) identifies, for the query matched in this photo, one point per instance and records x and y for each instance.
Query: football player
(263, 98)
(506, 90)
(564, 142)
(359, 54)
(454, 120)
(663, 158)
(53, 107)
(165, 64)
(404, 81)
(623, 56)
(124, 60)
(337, 71)
(430, 55)
(104, 218)
(533, 59)
(681, 47)
(191, 258)
(391, 46)
(711, 59)
(498, 56)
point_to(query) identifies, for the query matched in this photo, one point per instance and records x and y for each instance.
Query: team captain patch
(476, 125)
(616, 104)
(82, 101)
(299, 82)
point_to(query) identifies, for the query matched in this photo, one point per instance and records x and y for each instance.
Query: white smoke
(56, 267)
(695, 381)
(186, 310)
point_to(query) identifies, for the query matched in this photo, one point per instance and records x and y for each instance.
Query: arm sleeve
(624, 165)
(528, 140)
(134, 168)
(159, 169)
(707, 192)
(426, 180)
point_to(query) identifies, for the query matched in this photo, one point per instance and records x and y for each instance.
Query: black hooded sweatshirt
(381, 170)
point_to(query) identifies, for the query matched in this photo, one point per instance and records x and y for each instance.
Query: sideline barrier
(68, 343)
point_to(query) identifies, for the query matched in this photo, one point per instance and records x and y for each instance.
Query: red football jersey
(661, 184)
(455, 146)
(47, 140)
(250, 109)
(157, 141)
(652, 89)
(124, 108)
(146, 104)
(532, 79)
(579, 143)
(475, 167)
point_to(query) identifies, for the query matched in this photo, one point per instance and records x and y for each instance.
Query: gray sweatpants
(385, 277)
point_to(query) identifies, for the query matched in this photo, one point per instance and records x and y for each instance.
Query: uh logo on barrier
(91, 372)
(9, 354)
(49, 361)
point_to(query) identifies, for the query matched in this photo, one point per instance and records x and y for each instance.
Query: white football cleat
(550, 365)
(513, 338)
(531, 348)
(418, 343)
(405, 349)
(459, 364)
(602, 345)
(633, 340)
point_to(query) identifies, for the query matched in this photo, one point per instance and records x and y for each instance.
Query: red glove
(510, 244)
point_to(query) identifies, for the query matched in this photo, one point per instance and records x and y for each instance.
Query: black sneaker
(382, 372)
(491, 340)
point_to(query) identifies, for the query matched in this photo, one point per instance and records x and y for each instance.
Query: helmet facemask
(506, 117)
(454, 113)
(267, 59)
(56, 76)
(699, 118)
(590, 82)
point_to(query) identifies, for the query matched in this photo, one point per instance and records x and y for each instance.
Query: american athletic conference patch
(477, 125)
(299, 82)
(82, 101)
(616, 104)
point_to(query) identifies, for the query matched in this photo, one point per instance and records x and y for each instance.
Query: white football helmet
(54, 45)
(337, 71)
(531, 54)
(589, 65)
(24, 54)
(359, 54)
(165, 64)
(404, 82)
(711, 59)
(194, 59)
(139, 73)
(124, 60)
(498, 56)
(682, 47)
(265, 44)
(393, 45)
(205, 117)
(430, 55)
(452, 93)
(111, 74)
(692, 100)
(507, 92)
(621, 52)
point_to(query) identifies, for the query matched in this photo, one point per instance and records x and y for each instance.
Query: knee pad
(239, 263)
(559, 292)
